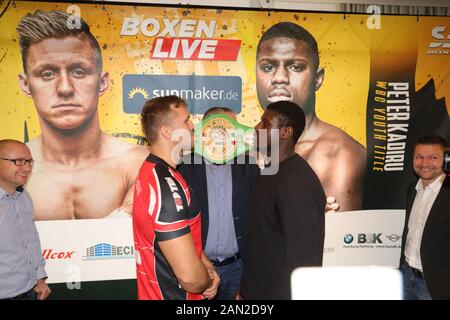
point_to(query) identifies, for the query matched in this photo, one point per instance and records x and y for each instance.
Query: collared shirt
(423, 202)
(221, 241)
(21, 261)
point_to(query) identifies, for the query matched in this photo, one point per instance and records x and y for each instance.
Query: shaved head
(6, 143)
(11, 174)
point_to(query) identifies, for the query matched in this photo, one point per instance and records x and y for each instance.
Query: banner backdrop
(102, 249)
(382, 88)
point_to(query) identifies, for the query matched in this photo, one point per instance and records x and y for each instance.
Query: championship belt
(220, 138)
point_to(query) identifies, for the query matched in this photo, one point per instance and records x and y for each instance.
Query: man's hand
(331, 206)
(42, 289)
(238, 296)
(215, 281)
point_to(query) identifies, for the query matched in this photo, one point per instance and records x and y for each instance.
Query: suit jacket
(435, 245)
(243, 180)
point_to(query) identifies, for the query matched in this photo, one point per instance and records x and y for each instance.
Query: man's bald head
(12, 173)
(8, 143)
(14, 149)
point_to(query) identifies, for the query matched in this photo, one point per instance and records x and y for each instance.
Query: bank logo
(441, 42)
(106, 251)
(348, 238)
(200, 92)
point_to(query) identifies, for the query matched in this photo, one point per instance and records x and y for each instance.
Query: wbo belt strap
(226, 261)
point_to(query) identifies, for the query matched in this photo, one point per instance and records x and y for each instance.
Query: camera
(447, 161)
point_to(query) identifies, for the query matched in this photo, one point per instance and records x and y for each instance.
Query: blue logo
(348, 238)
(106, 251)
(200, 92)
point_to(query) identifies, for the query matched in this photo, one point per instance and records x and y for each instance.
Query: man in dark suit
(223, 193)
(287, 219)
(425, 256)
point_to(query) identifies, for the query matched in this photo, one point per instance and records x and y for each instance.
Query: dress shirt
(423, 202)
(21, 261)
(221, 241)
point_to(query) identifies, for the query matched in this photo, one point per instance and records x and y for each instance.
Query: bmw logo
(348, 238)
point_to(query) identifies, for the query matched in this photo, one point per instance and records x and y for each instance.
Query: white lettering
(169, 28)
(129, 26)
(187, 28)
(146, 23)
(207, 49)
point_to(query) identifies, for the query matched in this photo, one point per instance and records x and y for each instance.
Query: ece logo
(106, 251)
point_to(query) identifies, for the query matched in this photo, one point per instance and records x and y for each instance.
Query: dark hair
(292, 31)
(432, 139)
(215, 110)
(42, 25)
(155, 114)
(289, 114)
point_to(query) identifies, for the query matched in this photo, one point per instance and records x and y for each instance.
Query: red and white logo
(182, 39)
(50, 254)
(195, 49)
(176, 196)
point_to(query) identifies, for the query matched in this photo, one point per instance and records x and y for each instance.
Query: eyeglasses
(20, 162)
